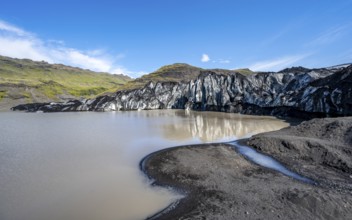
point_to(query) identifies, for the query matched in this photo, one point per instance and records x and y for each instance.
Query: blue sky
(135, 37)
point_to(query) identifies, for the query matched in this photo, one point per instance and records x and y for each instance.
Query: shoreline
(252, 191)
(155, 182)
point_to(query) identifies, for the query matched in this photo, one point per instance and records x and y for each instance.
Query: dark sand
(221, 184)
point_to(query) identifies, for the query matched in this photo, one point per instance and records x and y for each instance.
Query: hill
(25, 81)
(178, 72)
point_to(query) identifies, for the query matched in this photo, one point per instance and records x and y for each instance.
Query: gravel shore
(220, 183)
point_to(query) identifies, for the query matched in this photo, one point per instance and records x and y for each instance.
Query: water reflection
(215, 126)
(84, 166)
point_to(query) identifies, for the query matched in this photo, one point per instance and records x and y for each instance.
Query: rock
(297, 92)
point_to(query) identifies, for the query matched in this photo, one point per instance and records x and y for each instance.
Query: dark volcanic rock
(298, 92)
(320, 149)
(221, 184)
(71, 105)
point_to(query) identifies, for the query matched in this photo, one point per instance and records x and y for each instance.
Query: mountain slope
(25, 81)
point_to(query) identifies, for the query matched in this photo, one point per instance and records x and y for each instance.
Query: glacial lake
(85, 166)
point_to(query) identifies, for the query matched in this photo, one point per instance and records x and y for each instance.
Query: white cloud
(277, 64)
(18, 43)
(78, 58)
(119, 70)
(205, 58)
(22, 48)
(122, 70)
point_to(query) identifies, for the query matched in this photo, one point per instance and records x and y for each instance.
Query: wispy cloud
(222, 61)
(346, 56)
(275, 37)
(19, 43)
(205, 58)
(277, 64)
(4, 26)
(329, 36)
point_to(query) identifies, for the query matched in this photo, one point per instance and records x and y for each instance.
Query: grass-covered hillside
(176, 73)
(24, 81)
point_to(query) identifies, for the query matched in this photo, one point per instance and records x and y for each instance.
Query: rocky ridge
(295, 91)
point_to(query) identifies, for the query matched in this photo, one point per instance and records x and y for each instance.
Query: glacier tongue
(296, 92)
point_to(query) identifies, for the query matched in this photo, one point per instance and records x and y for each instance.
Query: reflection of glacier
(211, 126)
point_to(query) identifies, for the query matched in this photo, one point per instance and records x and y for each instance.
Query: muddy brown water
(84, 166)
